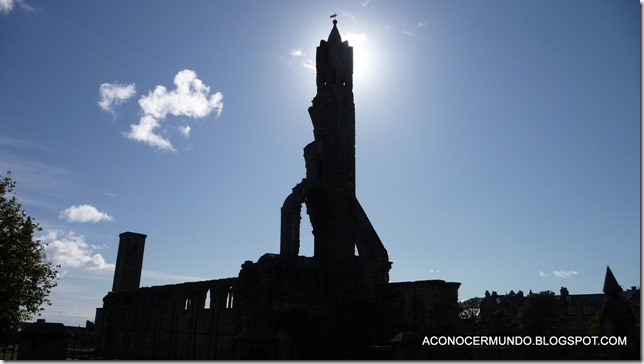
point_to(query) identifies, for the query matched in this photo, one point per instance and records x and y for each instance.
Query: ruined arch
(317, 201)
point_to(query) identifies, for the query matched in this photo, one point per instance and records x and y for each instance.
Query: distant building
(579, 310)
(617, 313)
(618, 319)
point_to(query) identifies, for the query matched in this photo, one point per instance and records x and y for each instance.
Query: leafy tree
(470, 313)
(541, 314)
(495, 320)
(26, 278)
(595, 324)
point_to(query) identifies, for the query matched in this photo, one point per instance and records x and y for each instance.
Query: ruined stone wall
(304, 310)
(182, 321)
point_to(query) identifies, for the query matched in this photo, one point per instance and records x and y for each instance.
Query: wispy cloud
(297, 53)
(349, 15)
(6, 6)
(298, 56)
(19, 143)
(185, 130)
(71, 251)
(414, 31)
(38, 183)
(542, 274)
(190, 98)
(84, 213)
(564, 273)
(114, 94)
(365, 3)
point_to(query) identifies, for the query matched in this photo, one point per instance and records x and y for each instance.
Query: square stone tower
(129, 262)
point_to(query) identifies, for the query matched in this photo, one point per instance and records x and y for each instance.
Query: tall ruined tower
(320, 304)
(334, 305)
(329, 189)
(129, 262)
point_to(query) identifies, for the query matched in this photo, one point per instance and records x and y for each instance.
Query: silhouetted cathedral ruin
(333, 305)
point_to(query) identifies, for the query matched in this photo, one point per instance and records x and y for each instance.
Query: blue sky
(498, 142)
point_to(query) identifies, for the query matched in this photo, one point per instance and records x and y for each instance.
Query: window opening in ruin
(587, 309)
(306, 234)
(230, 298)
(208, 301)
(188, 304)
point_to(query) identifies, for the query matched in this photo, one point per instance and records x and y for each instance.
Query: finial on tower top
(335, 21)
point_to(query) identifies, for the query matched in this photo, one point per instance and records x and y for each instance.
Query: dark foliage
(26, 278)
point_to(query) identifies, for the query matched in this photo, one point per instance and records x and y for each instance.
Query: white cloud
(309, 64)
(190, 98)
(71, 251)
(297, 55)
(7, 5)
(564, 274)
(542, 274)
(84, 213)
(185, 130)
(144, 131)
(114, 94)
(365, 3)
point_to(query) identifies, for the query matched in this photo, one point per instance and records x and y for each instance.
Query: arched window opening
(306, 234)
(230, 298)
(208, 301)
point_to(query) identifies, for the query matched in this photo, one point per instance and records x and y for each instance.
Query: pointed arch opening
(230, 298)
(306, 233)
(208, 301)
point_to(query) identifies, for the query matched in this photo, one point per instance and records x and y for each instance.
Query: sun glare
(359, 43)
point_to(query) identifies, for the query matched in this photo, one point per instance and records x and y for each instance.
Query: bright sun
(360, 64)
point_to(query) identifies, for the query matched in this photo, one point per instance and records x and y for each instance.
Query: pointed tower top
(610, 283)
(334, 61)
(334, 36)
